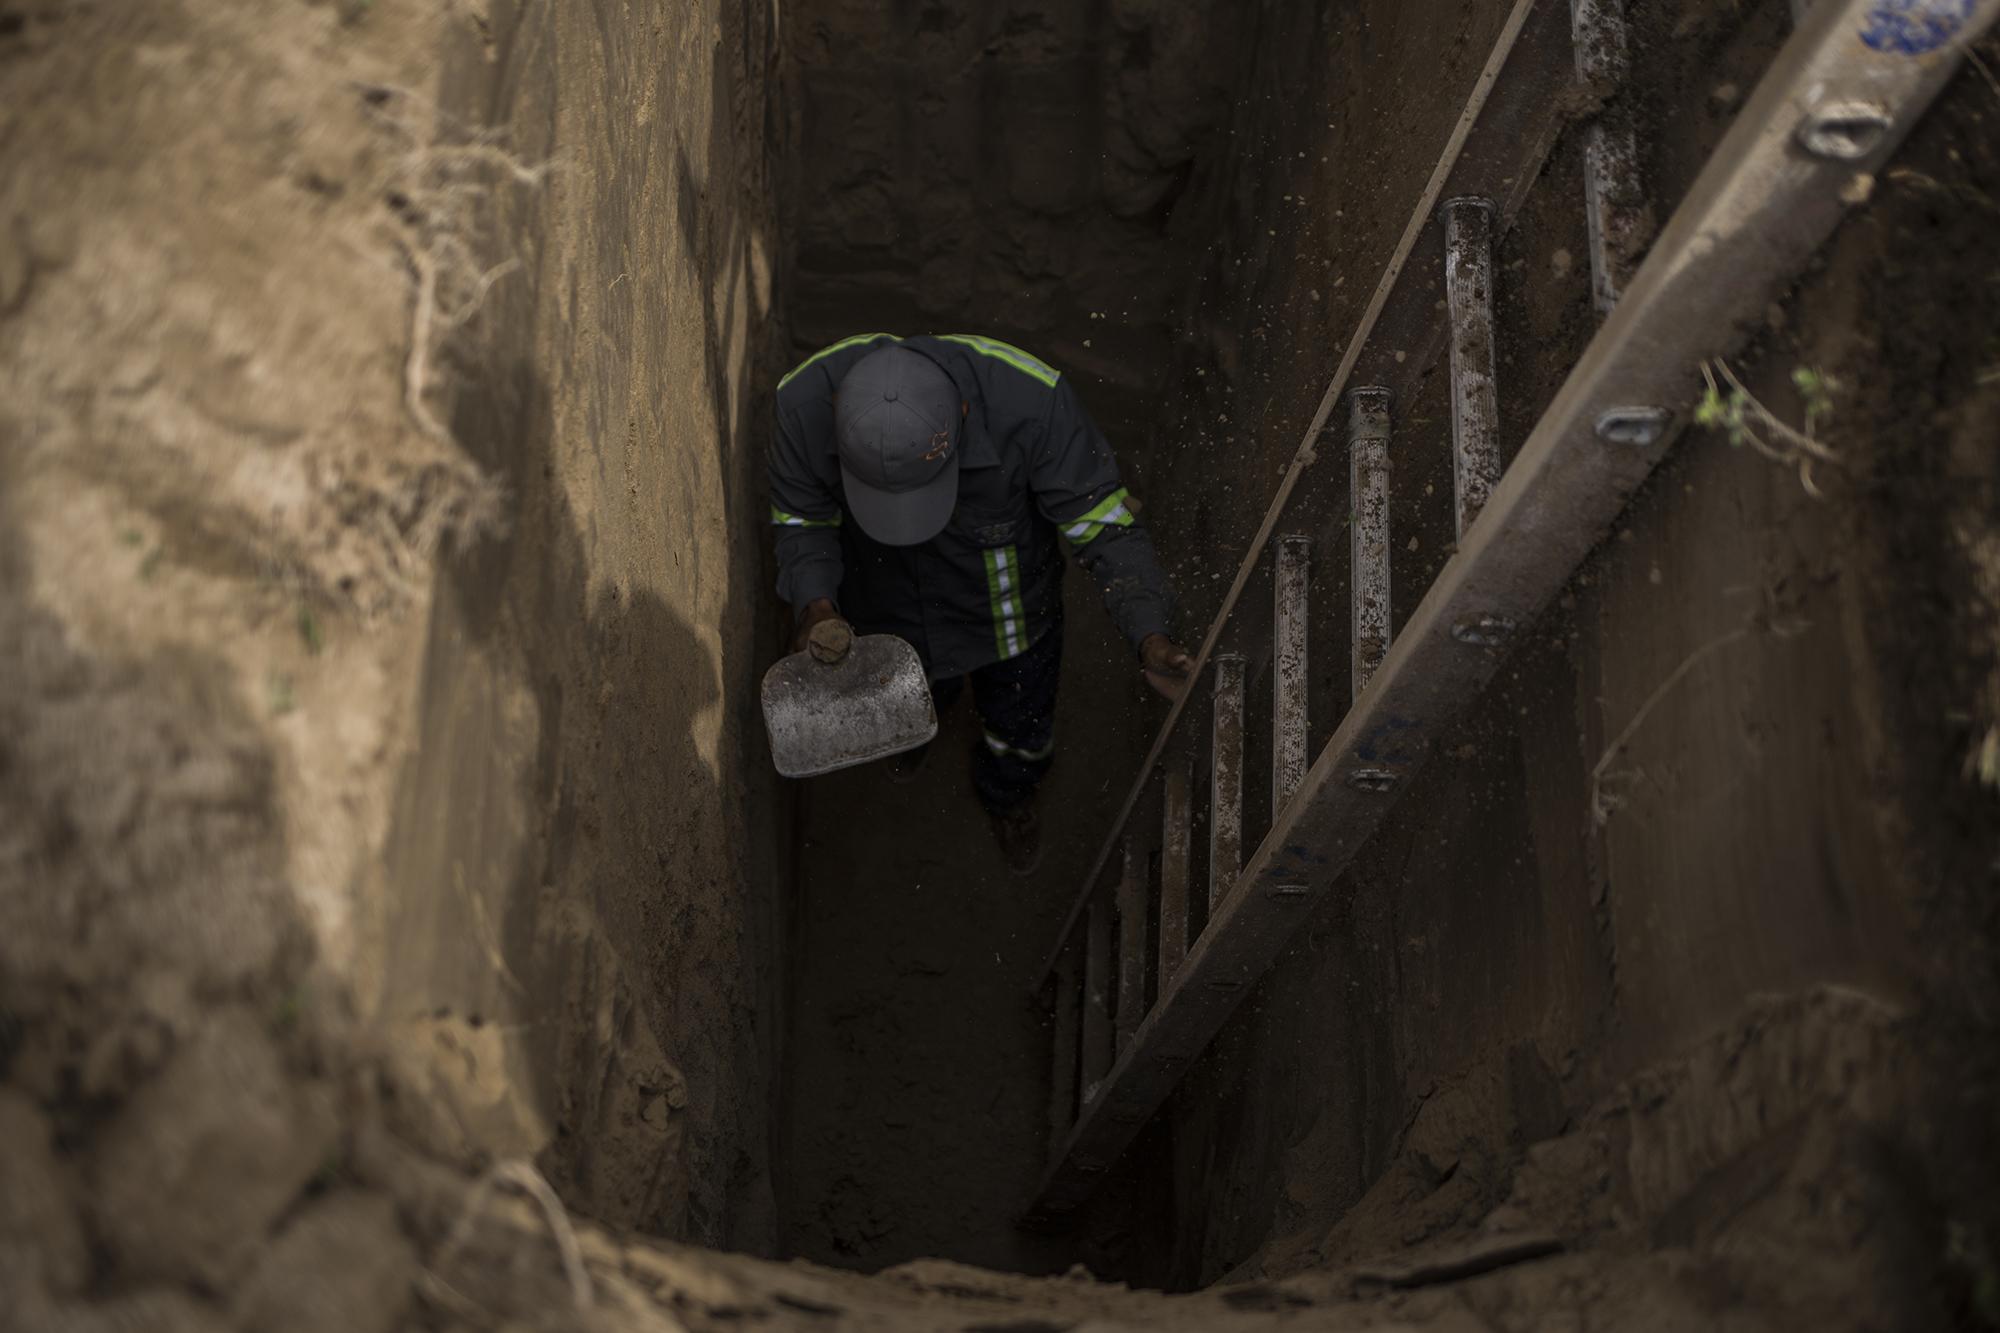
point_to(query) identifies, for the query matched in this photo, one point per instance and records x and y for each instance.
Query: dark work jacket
(988, 587)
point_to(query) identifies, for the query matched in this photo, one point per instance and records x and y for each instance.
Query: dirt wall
(581, 952)
(1015, 169)
(1796, 809)
(378, 642)
(224, 498)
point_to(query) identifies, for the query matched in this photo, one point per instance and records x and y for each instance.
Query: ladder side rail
(1502, 135)
(1767, 199)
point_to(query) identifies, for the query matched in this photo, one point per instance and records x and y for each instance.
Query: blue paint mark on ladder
(1377, 745)
(1913, 27)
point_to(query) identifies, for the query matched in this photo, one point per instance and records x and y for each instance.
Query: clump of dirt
(1707, 1173)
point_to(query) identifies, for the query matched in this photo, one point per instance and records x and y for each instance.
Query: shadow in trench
(544, 918)
(583, 860)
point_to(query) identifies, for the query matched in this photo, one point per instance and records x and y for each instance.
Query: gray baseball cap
(895, 417)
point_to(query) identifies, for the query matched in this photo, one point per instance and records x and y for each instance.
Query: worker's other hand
(1166, 665)
(815, 612)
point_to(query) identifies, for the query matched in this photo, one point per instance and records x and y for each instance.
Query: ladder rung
(1068, 1040)
(1176, 833)
(1368, 485)
(1225, 819)
(1096, 1058)
(1475, 401)
(1620, 224)
(1131, 942)
(1288, 677)
(1615, 208)
(1597, 29)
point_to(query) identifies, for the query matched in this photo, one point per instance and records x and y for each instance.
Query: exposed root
(483, 932)
(448, 156)
(1985, 70)
(441, 195)
(417, 371)
(470, 306)
(1766, 619)
(1749, 422)
(1603, 801)
(523, 1177)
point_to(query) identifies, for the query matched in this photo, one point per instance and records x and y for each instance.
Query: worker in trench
(917, 487)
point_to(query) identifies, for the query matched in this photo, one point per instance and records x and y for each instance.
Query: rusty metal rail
(1835, 103)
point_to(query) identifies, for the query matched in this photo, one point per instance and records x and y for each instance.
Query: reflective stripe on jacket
(986, 588)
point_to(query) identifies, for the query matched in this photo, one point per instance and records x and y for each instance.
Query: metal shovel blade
(872, 703)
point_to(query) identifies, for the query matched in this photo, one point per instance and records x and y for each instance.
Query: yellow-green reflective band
(825, 352)
(785, 520)
(1003, 590)
(1000, 747)
(1110, 512)
(1025, 362)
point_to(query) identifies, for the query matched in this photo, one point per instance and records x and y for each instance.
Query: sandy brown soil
(279, 862)
(588, 855)
(221, 517)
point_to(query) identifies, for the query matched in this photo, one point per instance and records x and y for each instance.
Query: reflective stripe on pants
(1017, 709)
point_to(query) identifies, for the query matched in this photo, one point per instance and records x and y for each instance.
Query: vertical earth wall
(586, 871)
(1551, 909)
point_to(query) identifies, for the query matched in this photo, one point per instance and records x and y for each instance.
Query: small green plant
(1816, 389)
(310, 633)
(278, 692)
(1726, 405)
(1966, 1251)
(291, 1006)
(1719, 413)
(1982, 762)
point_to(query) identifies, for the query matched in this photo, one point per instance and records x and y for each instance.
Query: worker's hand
(1166, 665)
(815, 611)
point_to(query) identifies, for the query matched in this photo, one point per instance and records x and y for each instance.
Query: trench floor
(918, 1068)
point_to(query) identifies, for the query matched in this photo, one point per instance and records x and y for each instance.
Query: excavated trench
(1038, 173)
(384, 589)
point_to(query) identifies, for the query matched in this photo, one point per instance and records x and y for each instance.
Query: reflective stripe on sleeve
(824, 352)
(1110, 512)
(785, 520)
(1026, 362)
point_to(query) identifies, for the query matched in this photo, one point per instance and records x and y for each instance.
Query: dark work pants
(1017, 709)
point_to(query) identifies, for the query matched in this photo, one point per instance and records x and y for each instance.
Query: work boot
(908, 766)
(1019, 833)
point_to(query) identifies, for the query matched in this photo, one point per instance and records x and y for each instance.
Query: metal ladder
(1835, 103)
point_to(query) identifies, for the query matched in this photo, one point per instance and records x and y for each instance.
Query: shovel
(845, 700)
